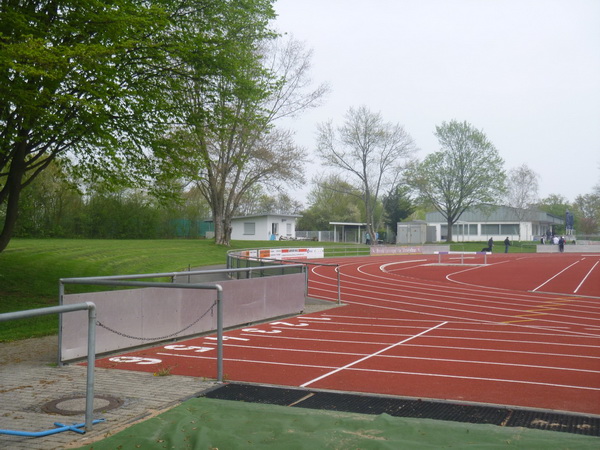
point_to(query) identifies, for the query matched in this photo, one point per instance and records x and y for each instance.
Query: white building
(497, 222)
(264, 227)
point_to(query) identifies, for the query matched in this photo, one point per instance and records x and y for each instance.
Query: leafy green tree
(557, 205)
(331, 200)
(237, 146)
(257, 201)
(397, 205)
(370, 151)
(97, 83)
(586, 211)
(81, 81)
(49, 206)
(467, 171)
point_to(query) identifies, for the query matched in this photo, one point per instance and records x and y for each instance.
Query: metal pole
(305, 271)
(339, 288)
(219, 334)
(61, 295)
(91, 363)
(91, 307)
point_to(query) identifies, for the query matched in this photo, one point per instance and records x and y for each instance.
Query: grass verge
(31, 268)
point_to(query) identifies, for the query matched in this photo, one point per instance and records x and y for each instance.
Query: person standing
(561, 244)
(506, 244)
(491, 244)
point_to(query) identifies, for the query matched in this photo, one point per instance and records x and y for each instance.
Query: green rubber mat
(203, 423)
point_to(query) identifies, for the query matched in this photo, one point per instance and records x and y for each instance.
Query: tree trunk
(13, 188)
(449, 236)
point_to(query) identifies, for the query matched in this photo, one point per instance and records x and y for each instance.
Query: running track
(523, 330)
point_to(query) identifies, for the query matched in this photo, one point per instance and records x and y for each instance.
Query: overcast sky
(525, 72)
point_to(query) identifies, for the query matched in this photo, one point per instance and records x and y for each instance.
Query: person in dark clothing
(491, 244)
(561, 244)
(506, 244)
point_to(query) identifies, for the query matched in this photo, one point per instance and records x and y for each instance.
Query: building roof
(490, 213)
(353, 224)
(267, 214)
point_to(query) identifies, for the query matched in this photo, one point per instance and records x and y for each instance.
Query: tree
(522, 192)
(49, 206)
(95, 84)
(331, 200)
(76, 84)
(522, 187)
(586, 210)
(236, 146)
(398, 206)
(368, 150)
(557, 205)
(467, 171)
(256, 201)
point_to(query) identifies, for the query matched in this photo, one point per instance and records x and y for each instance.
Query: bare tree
(367, 149)
(236, 145)
(522, 190)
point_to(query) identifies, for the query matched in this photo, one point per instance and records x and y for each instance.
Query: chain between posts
(160, 338)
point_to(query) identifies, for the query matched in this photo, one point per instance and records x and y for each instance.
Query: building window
(288, 229)
(249, 228)
(490, 229)
(460, 229)
(509, 228)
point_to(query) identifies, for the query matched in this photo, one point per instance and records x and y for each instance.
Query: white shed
(264, 227)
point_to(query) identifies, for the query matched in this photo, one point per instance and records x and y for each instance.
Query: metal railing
(249, 263)
(91, 357)
(117, 281)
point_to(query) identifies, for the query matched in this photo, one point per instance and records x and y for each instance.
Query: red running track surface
(523, 330)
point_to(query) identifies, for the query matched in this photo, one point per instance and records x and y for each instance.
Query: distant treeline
(51, 208)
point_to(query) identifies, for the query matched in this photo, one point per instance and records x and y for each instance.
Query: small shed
(349, 232)
(415, 232)
(264, 227)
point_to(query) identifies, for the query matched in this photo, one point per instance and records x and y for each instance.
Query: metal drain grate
(540, 420)
(425, 409)
(365, 404)
(257, 394)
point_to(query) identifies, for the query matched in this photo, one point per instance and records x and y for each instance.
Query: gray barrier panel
(134, 317)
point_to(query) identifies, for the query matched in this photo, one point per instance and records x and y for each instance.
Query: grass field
(30, 268)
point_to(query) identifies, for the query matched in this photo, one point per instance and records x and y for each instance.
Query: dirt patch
(42, 350)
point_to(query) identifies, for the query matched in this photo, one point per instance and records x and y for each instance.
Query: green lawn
(30, 268)
(515, 247)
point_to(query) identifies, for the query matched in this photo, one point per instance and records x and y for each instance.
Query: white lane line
(394, 372)
(549, 280)
(521, 331)
(420, 346)
(373, 354)
(476, 362)
(448, 338)
(585, 278)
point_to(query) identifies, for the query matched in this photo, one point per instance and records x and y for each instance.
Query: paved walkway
(30, 381)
